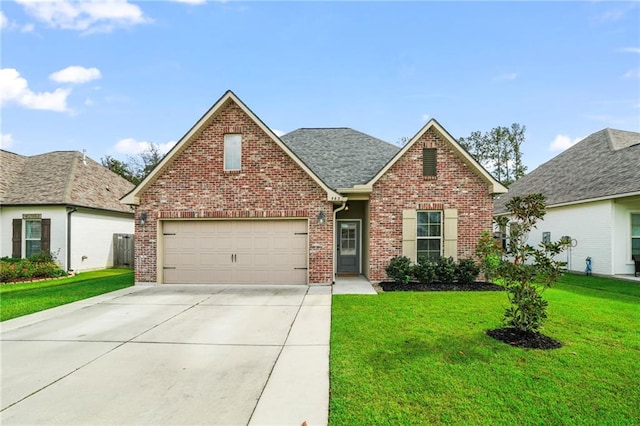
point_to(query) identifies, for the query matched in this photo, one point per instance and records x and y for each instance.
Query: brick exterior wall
(404, 187)
(269, 185)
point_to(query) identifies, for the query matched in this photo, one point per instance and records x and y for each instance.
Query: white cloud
(6, 140)
(76, 74)
(131, 146)
(629, 49)
(562, 142)
(278, 132)
(87, 16)
(634, 73)
(191, 1)
(15, 89)
(508, 76)
(4, 22)
(425, 117)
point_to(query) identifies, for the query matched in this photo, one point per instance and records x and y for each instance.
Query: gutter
(333, 238)
(69, 212)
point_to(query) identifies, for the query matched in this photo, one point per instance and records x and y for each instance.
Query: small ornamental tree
(489, 253)
(527, 271)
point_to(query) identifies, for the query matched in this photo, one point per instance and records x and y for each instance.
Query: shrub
(42, 257)
(400, 269)
(446, 270)
(467, 271)
(425, 271)
(12, 269)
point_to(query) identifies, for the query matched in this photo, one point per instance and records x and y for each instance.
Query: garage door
(228, 252)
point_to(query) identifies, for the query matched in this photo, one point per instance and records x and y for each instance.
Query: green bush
(12, 269)
(425, 271)
(528, 309)
(400, 269)
(467, 271)
(446, 270)
(489, 253)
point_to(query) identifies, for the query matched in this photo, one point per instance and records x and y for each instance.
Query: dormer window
(232, 151)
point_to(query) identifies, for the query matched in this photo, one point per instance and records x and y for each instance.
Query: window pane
(423, 217)
(434, 217)
(635, 246)
(423, 230)
(32, 247)
(33, 229)
(232, 152)
(635, 225)
(434, 230)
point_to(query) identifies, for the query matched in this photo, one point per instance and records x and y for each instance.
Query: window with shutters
(32, 237)
(232, 151)
(429, 234)
(429, 157)
(635, 233)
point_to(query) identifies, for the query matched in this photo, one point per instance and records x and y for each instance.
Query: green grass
(26, 298)
(424, 358)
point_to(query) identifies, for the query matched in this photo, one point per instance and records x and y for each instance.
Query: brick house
(234, 203)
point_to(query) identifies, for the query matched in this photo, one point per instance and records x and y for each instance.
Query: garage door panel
(241, 251)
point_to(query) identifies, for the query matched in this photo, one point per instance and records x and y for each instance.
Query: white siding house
(64, 203)
(592, 192)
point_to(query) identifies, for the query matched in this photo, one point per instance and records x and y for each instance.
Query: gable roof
(133, 197)
(605, 164)
(495, 187)
(341, 157)
(60, 178)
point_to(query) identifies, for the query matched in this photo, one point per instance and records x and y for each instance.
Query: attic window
(429, 162)
(232, 151)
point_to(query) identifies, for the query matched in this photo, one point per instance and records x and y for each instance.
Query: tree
(136, 168)
(499, 151)
(527, 271)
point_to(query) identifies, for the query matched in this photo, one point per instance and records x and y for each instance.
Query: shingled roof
(605, 164)
(341, 157)
(60, 178)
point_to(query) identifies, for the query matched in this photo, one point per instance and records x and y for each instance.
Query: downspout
(73, 209)
(335, 254)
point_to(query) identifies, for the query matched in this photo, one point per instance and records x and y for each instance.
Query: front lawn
(26, 298)
(424, 358)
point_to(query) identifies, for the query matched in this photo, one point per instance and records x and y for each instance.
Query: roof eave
(133, 198)
(495, 187)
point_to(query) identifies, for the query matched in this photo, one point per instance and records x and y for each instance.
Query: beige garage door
(230, 252)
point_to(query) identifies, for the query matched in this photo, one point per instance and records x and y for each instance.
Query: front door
(348, 247)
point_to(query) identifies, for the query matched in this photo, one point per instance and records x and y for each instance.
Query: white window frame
(232, 152)
(28, 239)
(633, 237)
(419, 237)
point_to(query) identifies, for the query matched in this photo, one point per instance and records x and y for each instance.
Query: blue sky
(110, 77)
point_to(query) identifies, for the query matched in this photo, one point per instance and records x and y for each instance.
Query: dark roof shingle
(60, 177)
(341, 157)
(604, 164)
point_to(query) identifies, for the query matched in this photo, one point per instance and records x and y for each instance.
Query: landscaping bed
(440, 286)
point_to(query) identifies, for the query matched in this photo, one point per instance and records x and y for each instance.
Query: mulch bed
(509, 335)
(524, 339)
(437, 286)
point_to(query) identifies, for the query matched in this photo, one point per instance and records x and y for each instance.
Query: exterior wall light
(143, 218)
(321, 218)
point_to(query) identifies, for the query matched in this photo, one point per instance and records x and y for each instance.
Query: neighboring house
(592, 194)
(234, 203)
(64, 203)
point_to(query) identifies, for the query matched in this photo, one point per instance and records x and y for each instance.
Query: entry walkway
(353, 285)
(172, 355)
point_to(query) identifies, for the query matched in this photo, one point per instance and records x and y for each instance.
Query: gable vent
(429, 161)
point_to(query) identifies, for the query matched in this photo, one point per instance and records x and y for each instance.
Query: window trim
(26, 227)
(227, 139)
(440, 238)
(631, 235)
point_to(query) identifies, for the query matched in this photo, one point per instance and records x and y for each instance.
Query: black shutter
(429, 161)
(45, 236)
(16, 248)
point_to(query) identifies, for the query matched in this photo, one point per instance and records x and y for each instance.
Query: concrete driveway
(179, 355)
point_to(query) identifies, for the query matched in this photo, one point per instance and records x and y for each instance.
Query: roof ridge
(66, 195)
